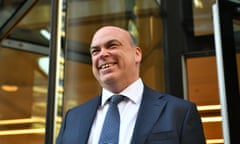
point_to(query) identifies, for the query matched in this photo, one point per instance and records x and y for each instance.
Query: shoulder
(86, 106)
(170, 99)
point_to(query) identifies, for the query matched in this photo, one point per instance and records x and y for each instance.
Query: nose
(104, 53)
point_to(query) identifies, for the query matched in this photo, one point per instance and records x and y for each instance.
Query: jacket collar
(151, 108)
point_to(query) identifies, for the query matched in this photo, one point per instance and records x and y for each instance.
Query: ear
(138, 54)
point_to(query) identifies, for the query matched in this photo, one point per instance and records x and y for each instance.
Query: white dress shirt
(128, 110)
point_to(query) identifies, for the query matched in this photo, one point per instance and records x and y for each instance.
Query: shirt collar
(133, 92)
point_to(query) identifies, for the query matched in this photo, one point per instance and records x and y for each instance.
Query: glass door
(23, 91)
(202, 88)
(24, 66)
(226, 14)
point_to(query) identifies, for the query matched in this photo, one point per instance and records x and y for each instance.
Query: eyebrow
(113, 40)
(106, 43)
(93, 47)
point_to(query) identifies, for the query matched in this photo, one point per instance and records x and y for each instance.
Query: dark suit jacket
(162, 119)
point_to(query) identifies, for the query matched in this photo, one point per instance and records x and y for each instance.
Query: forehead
(110, 33)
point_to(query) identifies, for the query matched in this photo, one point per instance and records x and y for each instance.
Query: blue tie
(110, 130)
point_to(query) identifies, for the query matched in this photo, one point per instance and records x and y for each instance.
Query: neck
(118, 87)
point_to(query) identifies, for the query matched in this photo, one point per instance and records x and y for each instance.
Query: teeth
(105, 66)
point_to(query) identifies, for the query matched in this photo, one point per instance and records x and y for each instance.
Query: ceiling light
(43, 63)
(45, 34)
(9, 88)
(198, 4)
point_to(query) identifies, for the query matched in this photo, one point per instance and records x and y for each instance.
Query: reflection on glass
(202, 17)
(43, 64)
(8, 8)
(236, 29)
(23, 90)
(202, 86)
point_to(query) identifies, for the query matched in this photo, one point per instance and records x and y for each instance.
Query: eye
(113, 45)
(94, 51)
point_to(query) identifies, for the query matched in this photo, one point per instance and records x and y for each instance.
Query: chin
(108, 80)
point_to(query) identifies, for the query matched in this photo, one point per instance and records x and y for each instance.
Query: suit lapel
(88, 115)
(151, 107)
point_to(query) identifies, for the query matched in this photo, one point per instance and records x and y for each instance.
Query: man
(146, 116)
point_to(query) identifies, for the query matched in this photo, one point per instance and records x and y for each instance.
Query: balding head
(116, 30)
(115, 59)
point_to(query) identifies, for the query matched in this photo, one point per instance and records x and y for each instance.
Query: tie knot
(116, 99)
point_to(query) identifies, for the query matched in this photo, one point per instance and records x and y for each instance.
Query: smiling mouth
(104, 66)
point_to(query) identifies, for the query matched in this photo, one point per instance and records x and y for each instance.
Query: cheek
(94, 62)
(95, 72)
(94, 68)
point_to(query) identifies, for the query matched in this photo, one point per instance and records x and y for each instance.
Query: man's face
(114, 58)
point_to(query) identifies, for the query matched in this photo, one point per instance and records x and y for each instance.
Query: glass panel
(11, 13)
(23, 90)
(236, 30)
(202, 17)
(202, 89)
(223, 13)
(141, 18)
